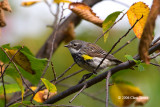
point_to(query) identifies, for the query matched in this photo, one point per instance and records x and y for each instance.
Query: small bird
(89, 55)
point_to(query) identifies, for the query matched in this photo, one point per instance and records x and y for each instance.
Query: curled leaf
(2, 18)
(21, 60)
(43, 95)
(141, 100)
(5, 5)
(85, 12)
(135, 12)
(29, 3)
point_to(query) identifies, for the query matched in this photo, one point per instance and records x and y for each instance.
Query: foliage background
(147, 80)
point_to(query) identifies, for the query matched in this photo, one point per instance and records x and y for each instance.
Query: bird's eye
(74, 45)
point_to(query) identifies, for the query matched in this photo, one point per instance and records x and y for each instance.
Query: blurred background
(27, 26)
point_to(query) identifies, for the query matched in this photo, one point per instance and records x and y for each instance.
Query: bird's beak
(67, 46)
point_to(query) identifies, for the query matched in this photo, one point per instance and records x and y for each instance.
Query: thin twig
(10, 59)
(85, 93)
(55, 77)
(51, 52)
(58, 81)
(84, 87)
(154, 64)
(66, 70)
(117, 43)
(128, 42)
(4, 90)
(69, 76)
(155, 41)
(156, 55)
(91, 82)
(50, 7)
(107, 89)
(109, 28)
(18, 71)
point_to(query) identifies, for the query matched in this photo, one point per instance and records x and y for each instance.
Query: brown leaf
(70, 34)
(21, 60)
(85, 12)
(5, 5)
(2, 18)
(141, 100)
(42, 95)
(148, 31)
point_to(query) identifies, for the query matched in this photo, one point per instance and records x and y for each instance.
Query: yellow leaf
(122, 93)
(85, 12)
(51, 87)
(135, 12)
(29, 3)
(62, 1)
(21, 60)
(41, 96)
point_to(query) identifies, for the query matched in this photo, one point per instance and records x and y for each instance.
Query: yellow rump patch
(86, 57)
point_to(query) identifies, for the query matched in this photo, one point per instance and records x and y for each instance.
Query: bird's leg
(86, 76)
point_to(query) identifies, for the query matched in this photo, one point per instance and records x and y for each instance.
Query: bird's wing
(94, 50)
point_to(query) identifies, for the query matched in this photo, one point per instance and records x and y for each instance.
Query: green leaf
(129, 57)
(3, 56)
(15, 75)
(52, 88)
(2, 102)
(25, 49)
(21, 103)
(140, 67)
(108, 22)
(35, 64)
(10, 88)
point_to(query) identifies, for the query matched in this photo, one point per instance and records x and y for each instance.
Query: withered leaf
(85, 12)
(2, 18)
(5, 5)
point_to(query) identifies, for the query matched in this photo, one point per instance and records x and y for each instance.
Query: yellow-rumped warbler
(89, 55)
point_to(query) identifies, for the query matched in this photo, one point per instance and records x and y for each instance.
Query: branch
(117, 43)
(109, 28)
(128, 42)
(3, 84)
(44, 52)
(98, 78)
(107, 89)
